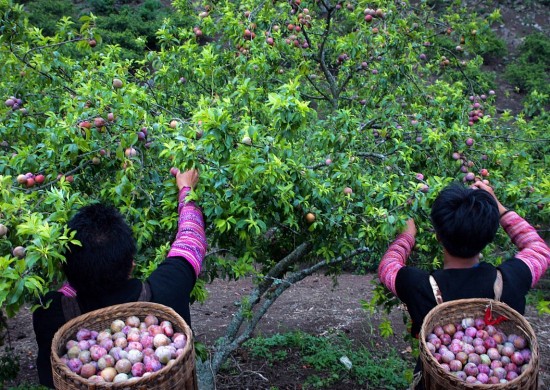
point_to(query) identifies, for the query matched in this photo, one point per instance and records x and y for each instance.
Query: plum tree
(276, 210)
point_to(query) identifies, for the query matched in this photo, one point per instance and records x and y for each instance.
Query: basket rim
(175, 319)
(435, 365)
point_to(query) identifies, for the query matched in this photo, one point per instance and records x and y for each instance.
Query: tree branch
(39, 71)
(226, 347)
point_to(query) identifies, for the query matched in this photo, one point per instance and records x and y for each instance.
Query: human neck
(450, 261)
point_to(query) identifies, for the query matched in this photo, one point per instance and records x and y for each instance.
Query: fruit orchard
(318, 128)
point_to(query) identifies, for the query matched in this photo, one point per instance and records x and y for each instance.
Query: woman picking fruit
(99, 271)
(465, 221)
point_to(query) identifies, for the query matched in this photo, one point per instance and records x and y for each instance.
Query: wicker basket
(179, 375)
(436, 378)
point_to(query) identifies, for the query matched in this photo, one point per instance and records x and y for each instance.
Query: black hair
(465, 219)
(107, 250)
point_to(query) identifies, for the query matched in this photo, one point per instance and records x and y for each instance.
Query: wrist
(504, 212)
(184, 191)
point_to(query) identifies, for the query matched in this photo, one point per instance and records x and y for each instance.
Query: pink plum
(123, 366)
(138, 369)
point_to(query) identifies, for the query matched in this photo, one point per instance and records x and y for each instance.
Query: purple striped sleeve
(67, 290)
(190, 242)
(394, 259)
(533, 251)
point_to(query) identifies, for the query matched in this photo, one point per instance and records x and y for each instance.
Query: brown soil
(315, 305)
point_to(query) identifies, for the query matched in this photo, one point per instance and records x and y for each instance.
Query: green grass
(380, 369)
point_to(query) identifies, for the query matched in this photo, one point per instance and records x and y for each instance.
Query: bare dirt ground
(315, 305)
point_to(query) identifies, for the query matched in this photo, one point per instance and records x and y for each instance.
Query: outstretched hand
(410, 228)
(483, 186)
(188, 178)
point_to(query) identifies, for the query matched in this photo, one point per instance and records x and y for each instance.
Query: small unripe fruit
(310, 217)
(173, 124)
(96, 161)
(117, 83)
(348, 191)
(19, 252)
(247, 141)
(3, 230)
(22, 179)
(130, 152)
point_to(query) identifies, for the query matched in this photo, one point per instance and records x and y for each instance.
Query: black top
(171, 284)
(414, 289)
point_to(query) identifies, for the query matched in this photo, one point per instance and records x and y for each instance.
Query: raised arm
(533, 251)
(190, 242)
(396, 256)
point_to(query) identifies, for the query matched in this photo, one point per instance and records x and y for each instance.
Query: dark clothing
(171, 284)
(414, 289)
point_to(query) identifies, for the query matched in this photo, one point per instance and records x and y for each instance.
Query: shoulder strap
(497, 287)
(436, 291)
(145, 294)
(70, 307)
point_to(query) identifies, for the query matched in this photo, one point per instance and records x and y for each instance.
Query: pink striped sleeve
(190, 242)
(533, 251)
(394, 259)
(67, 290)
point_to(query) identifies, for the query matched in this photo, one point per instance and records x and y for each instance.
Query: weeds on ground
(333, 359)
(531, 70)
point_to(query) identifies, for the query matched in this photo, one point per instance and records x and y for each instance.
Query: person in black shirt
(99, 271)
(465, 221)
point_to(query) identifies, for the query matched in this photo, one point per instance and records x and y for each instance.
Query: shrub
(45, 13)
(530, 71)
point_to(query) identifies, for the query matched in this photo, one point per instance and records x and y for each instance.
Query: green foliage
(326, 357)
(127, 24)
(531, 70)
(9, 366)
(493, 47)
(383, 101)
(46, 13)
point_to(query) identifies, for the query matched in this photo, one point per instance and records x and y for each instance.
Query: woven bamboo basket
(436, 378)
(180, 374)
